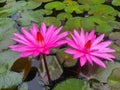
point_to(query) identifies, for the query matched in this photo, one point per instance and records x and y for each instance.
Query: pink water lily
(88, 48)
(38, 41)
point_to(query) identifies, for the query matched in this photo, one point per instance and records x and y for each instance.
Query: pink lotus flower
(89, 48)
(38, 41)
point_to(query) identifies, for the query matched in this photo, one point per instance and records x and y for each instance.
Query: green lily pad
(1, 1)
(116, 2)
(23, 86)
(41, 1)
(114, 24)
(73, 8)
(55, 5)
(91, 1)
(44, 11)
(84, 7)
(3, 68)
(73, 84)
(28, 17)
(10, 79)
(65, 58)
(100, 10)
(114, 78)
(96, 23)
(70, 2)
(64, 16)
(6, 32)
(51, 20)
(73, 23)
(102, 74)
(31, 4)
(9, 10)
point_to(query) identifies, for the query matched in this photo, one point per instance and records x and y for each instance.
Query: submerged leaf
(22, 65)
(73, 84)
(114, 78)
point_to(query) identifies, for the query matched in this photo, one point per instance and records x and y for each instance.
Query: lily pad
(73, 8)
(116, 2)
(73, 23)
(70, 2)
(6, 32)
(73, 84)
(28, 17)
(102, 74)
(51, 20)
(44, 11)
(91, 1)
(10, 79)
(114, 78)
(55, 5)
(100, 10)
(41, 1)
(114, 24)
(96, 23)
(65, 58)
(31, 4)
(64, 16)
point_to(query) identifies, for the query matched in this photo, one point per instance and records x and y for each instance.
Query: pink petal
(26, 54)
(34, 29)
(82, 35)
(22, 38)
(29, 36)
(71, 43)
(103, 55)
(43, 29)
(98, 61)
(71, 51)
(78, 55)
(89, 59)
(83, 61)
(98, 40)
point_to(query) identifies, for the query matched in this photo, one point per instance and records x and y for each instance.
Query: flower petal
(98, 61)
(83, 60)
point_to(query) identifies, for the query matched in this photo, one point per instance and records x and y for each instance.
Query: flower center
(39, 37)
(88, 44)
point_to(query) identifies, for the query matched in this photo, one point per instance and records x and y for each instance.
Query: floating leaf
(114, 36)
(101, 10)
(73, 84)
(114, 24)
(1, 1)
(44, 11)
(73, 8)
(51, 20)
(85, 7)
(114, 78)
(65, 58)
(6, 32)
(23, 86)
(97, 23)
(28, 17)
(64, 16)
(53, 66)
(55, 5)
(91, 1)
(116, 2)
(22, 65)
(102, 74)
(8, 58)
(3, 68)
(31, 4)
(42, 0)
(70, 2)
(10, 79)
(73, 23)
(9, 10)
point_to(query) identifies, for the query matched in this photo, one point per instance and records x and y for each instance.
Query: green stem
(47, 71)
